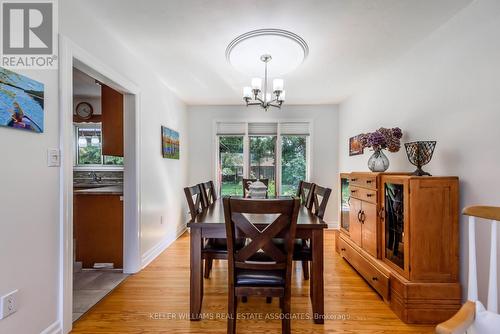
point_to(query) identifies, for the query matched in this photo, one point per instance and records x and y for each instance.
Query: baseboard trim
(150, 255)
(54, 328)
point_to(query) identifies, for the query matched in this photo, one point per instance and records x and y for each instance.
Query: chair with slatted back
(247, 182)
(304, 192)
(319, 200)
(213, 248)
(472, 317)
(209, 195)
(260, 268)
(195, 204)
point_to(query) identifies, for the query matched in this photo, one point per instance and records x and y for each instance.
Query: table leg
(196, 278)
(318, 303)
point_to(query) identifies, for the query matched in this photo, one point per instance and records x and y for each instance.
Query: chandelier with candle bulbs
(260, 95)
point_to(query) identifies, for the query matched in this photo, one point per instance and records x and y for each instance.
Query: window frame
(246, 149)
(89, 167)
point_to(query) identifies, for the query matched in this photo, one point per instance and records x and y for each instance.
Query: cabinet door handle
(369, 195)
(342, 249)
(359, 216)
(374, 278)
(363, 217)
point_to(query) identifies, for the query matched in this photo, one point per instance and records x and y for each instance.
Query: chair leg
(208, 267)
(285, 309)
(269, 300)
(231, 310)
(305, 269)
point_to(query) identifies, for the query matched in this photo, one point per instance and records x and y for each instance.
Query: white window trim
(246, 148)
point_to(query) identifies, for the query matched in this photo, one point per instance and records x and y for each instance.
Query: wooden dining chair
(194, 200)
(260, 268)
(318, 198)
(209, 195)
(247, 182)
(472, 317)
(304, 192)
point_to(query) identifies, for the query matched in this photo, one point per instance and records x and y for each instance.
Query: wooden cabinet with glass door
(400, 233)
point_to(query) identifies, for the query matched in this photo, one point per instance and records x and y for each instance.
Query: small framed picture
(170, 143)
(355, 146)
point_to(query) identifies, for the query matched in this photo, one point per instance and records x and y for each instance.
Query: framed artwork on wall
(355, 146)
(170, 143)
(21, 102)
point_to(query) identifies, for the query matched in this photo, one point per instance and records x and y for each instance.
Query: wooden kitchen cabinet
(112, 122)
(98, 229)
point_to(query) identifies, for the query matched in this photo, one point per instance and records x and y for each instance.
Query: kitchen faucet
(94, 176)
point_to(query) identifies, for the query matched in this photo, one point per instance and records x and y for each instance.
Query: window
(231, 165)
(88, 147)
(274, 151)
(263, 160)
(293, 163)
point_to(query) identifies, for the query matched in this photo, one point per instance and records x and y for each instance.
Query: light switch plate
(8, 304)
(53, 157)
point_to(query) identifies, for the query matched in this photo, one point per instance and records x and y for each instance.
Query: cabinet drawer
(368, 195)
(363, 181)
(377, 279)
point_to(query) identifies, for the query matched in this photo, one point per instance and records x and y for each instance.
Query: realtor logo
(28, 34)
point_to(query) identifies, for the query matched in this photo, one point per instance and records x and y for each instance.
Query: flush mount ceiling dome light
(248, 51)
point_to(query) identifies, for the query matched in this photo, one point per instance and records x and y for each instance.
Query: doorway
(74, 58)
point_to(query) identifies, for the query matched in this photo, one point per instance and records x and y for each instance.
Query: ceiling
(84, 85)
(185, 40)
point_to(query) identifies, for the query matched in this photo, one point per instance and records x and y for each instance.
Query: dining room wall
(445, 89)
(324, 140)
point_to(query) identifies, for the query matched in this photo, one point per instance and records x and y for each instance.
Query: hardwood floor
(156, 300)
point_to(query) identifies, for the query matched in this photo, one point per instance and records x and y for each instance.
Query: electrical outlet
(8, 304)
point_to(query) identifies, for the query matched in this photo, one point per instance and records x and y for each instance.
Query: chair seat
(247, 277)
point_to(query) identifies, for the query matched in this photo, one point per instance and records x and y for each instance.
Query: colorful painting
(21, 102)
(355, 146)
(170, 143)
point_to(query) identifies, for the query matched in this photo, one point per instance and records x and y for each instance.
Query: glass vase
(378, 162)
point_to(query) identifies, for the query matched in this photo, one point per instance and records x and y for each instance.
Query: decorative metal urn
(420, 154)
(257, 189)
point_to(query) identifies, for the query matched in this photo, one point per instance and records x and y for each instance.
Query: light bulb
(95, 141)
(256, 83)
(282, 96)
(247, 92)
(82, 142)
(277, 85)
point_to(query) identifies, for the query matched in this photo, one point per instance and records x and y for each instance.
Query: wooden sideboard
(400, 233)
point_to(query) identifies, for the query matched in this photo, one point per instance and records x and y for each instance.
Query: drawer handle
(369, 195)
(342, 249)
(369, 181)
(374, 278)
(354, 180)
(353, 191)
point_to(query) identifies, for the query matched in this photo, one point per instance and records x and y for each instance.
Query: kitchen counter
(108, 190)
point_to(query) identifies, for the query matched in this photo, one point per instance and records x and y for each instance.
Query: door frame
(71, 55)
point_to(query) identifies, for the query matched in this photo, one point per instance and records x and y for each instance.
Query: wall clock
(84, 110)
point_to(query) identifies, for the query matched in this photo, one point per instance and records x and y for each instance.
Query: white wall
(29, 218)
(445, 89)
(324, 140)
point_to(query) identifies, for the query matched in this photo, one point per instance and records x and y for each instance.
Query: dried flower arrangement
(382, 139)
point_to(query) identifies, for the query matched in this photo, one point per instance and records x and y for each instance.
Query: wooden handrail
(460, 321)
(486, 212)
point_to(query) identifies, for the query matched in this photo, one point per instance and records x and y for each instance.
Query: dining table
(210, 223)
